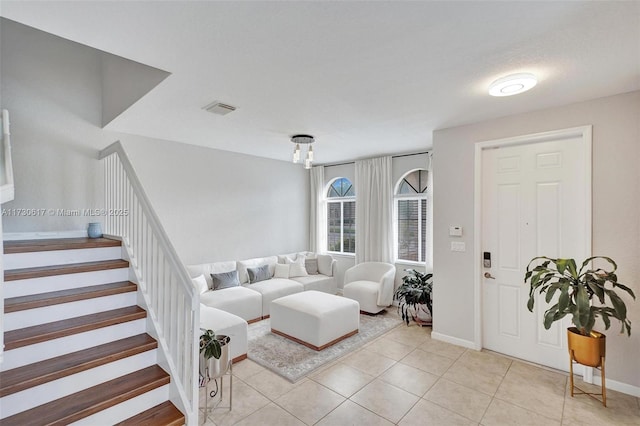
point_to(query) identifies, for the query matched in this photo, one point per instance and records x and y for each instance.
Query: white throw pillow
(282, 271)
(298, 259)
(200, 283)
(285, 258)
(297, 268)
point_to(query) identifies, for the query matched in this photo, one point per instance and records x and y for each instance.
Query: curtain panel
(317, 211)
(374, 210)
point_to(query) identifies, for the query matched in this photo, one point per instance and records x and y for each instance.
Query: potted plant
(414, 297)
(214, 354)
(577, 289)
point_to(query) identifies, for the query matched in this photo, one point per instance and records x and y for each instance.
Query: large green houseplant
(414, 296)
(577, 289)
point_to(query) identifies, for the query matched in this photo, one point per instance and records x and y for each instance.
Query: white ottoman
(314, 318)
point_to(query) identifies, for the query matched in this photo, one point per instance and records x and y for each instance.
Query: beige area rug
(294, 361)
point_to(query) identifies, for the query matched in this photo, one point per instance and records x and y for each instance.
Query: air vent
(219, 108)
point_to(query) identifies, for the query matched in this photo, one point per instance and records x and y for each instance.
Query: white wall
(217, 205)
(400, 166)
(52, 89)
(616, 208)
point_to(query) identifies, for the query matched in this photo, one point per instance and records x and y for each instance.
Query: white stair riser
(60, 257)
(37, 316)
(127, 409)
(47, 392)
(62, 282)
(33, 353)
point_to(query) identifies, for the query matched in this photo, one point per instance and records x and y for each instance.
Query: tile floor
(406, 378)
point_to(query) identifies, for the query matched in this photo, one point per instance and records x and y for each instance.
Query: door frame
(582, 132)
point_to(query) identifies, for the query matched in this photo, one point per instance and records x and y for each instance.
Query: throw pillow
(225, 280)
(282, 271)
(200, 283)
(261, 273)
(285, 259)
(298, 259)
(311, 265)
(297, 269)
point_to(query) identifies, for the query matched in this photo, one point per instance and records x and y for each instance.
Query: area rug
(294, 361)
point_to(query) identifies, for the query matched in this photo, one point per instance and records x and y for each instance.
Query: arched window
(411, 204)
(341, 217)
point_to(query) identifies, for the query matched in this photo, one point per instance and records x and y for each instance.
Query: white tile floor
(405, 378)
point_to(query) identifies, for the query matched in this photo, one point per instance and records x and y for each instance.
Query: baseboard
(617, 386)
(12, 236)
(454, 340)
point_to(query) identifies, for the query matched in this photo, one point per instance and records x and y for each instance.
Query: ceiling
(365, 78)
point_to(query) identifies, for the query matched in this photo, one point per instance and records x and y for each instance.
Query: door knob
(488, 275)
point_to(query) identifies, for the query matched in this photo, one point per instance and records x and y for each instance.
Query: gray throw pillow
(225, 280)
(311, 265)
(261, 273)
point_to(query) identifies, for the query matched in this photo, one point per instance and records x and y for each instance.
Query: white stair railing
(172, 303)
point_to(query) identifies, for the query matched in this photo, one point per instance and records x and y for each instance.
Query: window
(411, 218)
(341, 217)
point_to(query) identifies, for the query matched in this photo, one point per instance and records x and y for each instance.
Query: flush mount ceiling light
(305, 140)
(512, 84)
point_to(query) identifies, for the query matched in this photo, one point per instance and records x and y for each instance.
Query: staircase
(76, 343)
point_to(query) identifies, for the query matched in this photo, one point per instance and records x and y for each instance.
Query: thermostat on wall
(455, 231)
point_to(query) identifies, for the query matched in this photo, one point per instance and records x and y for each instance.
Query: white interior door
(535, 201)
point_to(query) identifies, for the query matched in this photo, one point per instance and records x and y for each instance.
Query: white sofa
(252, 302)
(227, 324)
(228, 311)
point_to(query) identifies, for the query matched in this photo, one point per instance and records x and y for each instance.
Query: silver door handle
(488, 275)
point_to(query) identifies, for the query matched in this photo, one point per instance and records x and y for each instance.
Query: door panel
(533, 203)
(548, 218)
(508, 226)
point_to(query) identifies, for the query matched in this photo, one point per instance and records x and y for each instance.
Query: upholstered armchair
(371, 284)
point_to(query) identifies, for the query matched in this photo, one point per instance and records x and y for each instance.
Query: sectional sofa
(234, 293)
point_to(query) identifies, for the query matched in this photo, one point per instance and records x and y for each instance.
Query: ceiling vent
(219, 108)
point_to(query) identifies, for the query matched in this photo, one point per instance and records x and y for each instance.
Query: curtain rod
(393, 156)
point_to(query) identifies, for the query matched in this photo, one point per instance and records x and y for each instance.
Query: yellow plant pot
(587, 350)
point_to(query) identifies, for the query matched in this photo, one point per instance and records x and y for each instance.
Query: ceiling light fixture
(512, 84)
(305, 140)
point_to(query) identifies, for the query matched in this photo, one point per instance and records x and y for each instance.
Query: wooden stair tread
(28, 376)
(90, 401)
(53, 330)
(29, 246)
(165, 414)
(32, 301)
(48, 271)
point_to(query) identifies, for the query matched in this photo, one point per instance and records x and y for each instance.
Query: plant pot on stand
(214, 363)
(576, 290)
(589, 351)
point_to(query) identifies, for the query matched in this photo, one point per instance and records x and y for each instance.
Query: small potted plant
(214, 354)
(577, 290)
(414, 297)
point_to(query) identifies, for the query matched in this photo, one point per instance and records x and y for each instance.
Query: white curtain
(374, 210)
(317, 211)
(429, 258)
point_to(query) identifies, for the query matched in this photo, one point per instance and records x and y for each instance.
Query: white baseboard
(12, 236)
(611, 384)
(617, 386)
(454, 340)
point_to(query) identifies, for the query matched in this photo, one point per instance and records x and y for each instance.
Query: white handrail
(6, 177)
(171, 299)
